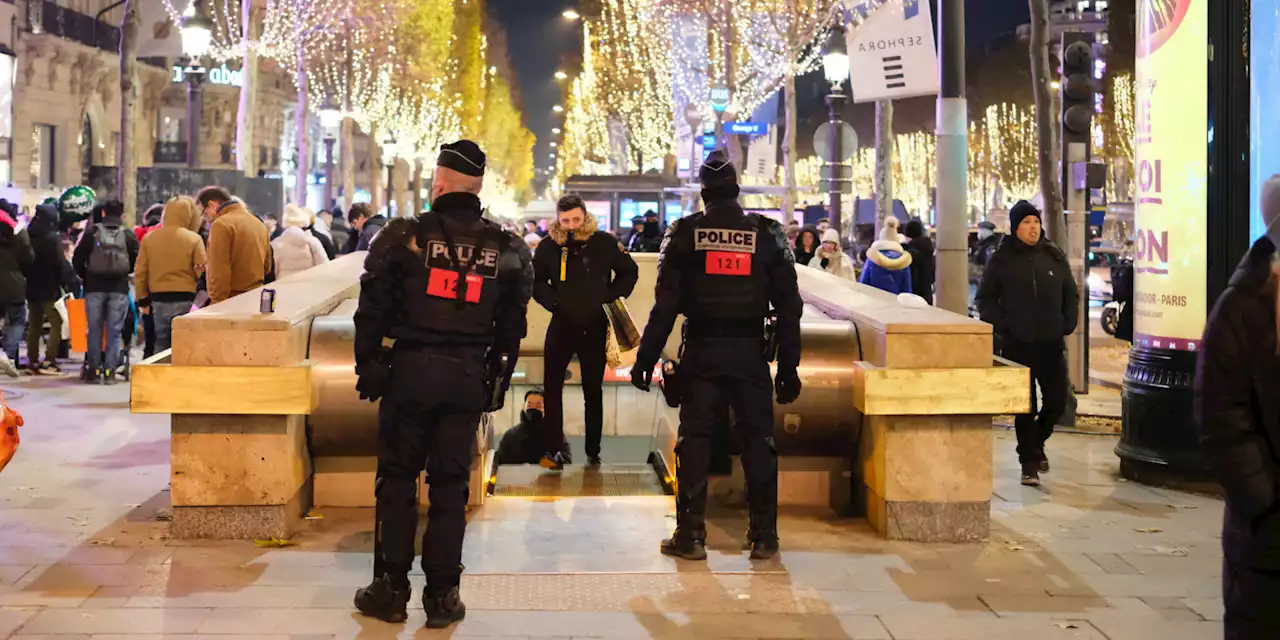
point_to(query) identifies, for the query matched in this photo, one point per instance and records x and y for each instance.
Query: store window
(42, 156)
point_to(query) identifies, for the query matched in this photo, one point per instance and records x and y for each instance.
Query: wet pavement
(84, 553)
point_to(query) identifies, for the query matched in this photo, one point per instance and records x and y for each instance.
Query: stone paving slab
(84, 553)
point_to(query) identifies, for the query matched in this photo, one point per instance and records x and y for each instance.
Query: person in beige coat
(169, 265)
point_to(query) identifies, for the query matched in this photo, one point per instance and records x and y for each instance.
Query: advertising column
(1188, 212)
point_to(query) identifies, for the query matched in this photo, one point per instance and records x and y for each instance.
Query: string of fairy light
(634, 87)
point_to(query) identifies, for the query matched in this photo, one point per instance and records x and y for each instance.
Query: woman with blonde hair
(297, 249)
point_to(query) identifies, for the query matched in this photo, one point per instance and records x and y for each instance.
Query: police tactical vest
(727, 270)
(456, 291)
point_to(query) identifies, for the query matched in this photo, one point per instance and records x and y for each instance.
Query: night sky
(539, 38)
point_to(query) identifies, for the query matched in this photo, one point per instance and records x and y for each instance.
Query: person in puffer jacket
(828, 257)
(888, 265)
(297, 249)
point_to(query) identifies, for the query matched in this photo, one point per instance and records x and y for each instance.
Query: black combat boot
(443, 609)
(382, 601)
(763, 547)
(690, 544)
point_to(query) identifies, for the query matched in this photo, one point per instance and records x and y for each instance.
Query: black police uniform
(456, 307)
(723, 269)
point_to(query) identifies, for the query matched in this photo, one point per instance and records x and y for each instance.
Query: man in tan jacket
(169, 266)
(239, 245)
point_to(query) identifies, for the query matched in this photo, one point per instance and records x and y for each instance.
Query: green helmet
(50, 201)
(78, 200)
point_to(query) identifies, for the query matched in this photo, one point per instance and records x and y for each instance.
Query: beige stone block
(935, 350)
(204, 347)
(992, 390)
(169, 389)
(237, 460)
(936, 458)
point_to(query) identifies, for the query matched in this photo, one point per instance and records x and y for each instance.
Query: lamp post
(330, 120)
(835, 66)
(389, 161)
(197, 34)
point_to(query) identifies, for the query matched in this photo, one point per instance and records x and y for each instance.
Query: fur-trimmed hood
(889, 254)
(560, 235)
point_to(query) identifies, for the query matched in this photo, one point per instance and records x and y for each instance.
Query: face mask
(533, 415)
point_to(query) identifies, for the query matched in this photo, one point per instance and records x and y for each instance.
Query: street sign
(747, 128)
(840, 171)
(893, 50)
(822, 142)
(844, 186)
(720, 98)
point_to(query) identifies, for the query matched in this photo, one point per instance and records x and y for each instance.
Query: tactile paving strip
(765, 592)
(531, 481)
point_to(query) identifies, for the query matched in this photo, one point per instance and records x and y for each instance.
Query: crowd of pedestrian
(182, 254)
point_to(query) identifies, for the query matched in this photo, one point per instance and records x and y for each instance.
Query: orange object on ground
(9, 436)
(79, 321)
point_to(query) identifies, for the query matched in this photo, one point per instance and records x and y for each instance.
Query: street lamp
(570, 14)
(330, 120)
(555, 130)
(835, 66)
(553, 145)
(560, 75)
(196, 31)
(389, 161)
(558, 109)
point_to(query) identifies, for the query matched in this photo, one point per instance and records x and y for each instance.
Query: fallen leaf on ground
(314, 515)
(164, 515)
(1149, 530)
(273, 542)
(1017, 547)
(1065, 625)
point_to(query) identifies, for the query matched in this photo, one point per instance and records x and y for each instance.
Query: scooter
(1111, 316)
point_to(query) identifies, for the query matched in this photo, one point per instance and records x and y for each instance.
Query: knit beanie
(1020, 210)
(832, 236)
(1269, 203)
(295, 216)
(890, 229)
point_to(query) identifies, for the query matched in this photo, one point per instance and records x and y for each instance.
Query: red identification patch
(728, 263)
(443, 283)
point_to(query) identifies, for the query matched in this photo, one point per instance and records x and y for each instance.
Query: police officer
(453, 294)
(723, 269)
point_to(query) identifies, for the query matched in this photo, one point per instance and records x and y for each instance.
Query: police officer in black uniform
(452, 292)
(723, 269)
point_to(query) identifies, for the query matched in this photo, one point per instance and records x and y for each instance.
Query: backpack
(110, 255)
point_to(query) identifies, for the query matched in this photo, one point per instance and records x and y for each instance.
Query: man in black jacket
(1236, 409)
(47, 276)
(103, 259)
(364, 225)
(1029, 297)
(523, 443)
(15, 257)
(576, 271)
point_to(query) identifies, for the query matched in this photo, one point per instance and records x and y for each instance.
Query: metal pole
(834, 184)
(304, 164)
(328, 172)
(195, 109)
(953, 161)
(390, 195)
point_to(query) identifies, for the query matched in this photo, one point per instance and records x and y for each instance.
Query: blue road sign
(747, 128)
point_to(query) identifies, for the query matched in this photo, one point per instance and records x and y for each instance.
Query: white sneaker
(8, 368)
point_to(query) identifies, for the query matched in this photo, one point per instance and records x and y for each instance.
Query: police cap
(463, 156)
(717, 171)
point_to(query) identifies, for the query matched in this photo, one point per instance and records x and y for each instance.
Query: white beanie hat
(832, 236)
(890, 229)
(295, 216)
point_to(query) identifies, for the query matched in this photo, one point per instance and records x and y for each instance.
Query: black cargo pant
(720, 373)
(565, 338)
(428, 418)
(1048, 364)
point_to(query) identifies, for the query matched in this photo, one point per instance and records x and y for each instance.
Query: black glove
(642, 374)
(787, 384)
(372, 382)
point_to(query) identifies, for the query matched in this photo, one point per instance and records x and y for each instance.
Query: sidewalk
(85, 554)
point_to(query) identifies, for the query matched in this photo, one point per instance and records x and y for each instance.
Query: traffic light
(1078, 87)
